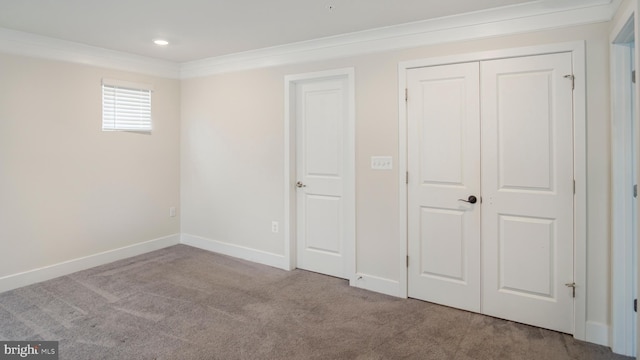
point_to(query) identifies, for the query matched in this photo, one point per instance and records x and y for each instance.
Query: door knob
(300, 184)
(471, 200)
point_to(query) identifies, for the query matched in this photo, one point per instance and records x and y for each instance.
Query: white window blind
(126, 106)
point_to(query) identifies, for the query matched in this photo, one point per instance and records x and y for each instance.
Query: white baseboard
(597, 333)
(15, 281)
(241, 252)
(377, 284)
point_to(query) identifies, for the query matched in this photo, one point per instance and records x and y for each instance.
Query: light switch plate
(381, 162)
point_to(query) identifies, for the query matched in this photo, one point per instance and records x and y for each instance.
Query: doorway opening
(577, 50)
(624, 183)
(319, 174)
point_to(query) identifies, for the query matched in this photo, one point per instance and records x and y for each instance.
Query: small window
(126, 106)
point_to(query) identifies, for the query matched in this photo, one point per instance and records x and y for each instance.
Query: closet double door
(490, 190)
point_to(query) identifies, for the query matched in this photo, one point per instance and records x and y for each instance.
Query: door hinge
(574, 187)
(635, 190)
(406, 94)
(633, 76)
(406, 178)
(573, 288)
(573, 80)
(635, 305)
(407, 260)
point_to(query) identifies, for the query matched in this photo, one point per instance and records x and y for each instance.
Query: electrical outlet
(381, 162)
(172, 211)
(274, 227)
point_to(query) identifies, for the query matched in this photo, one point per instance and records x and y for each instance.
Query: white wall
(232, 154)
(67, 189)
(232, 159)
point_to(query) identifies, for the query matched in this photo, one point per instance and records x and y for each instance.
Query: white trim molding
(15, 281)
(527, 17)
(508, 20)
(240, 252)
(37, 46)
(577, 49)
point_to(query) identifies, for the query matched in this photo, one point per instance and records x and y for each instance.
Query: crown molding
(540, 15)
(527, 17)
(26, 44)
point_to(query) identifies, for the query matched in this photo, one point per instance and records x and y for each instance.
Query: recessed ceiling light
(161, 42)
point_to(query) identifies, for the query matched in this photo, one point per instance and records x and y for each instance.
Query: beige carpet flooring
(186, 303)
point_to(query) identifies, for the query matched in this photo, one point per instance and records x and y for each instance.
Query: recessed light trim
(161, 42)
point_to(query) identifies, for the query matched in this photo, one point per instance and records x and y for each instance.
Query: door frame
(290, 211)
(577, 49)
(623, 31)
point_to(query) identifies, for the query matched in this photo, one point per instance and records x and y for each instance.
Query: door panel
(444, 155)
(321, 122)
(322, 133)
(322, 218)
(527, 132)
(442, 259)
(526, 264)
(527, 187)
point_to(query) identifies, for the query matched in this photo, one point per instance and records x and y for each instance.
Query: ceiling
(199, 29)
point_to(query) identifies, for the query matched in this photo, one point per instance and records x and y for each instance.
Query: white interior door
(321, 108)
(527, 188)
(501, 130)
(444, 166)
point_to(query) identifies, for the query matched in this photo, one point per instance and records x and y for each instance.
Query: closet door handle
(471, 200)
